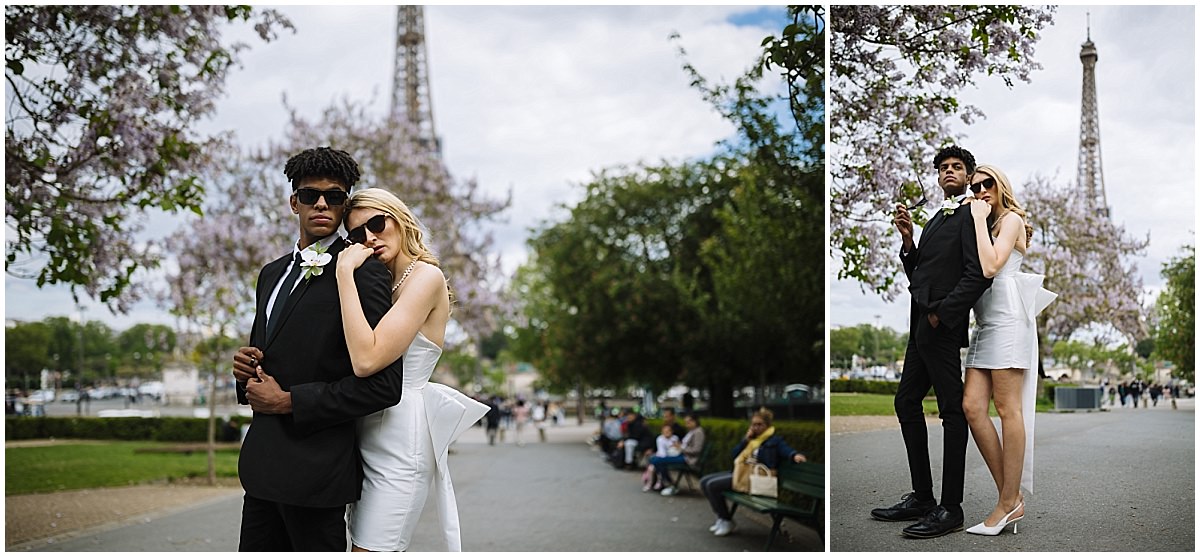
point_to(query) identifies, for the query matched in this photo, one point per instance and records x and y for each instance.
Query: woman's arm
(371, 350)
(992, 257)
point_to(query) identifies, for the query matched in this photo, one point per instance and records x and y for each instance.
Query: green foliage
(125, 429)
(85, 466)
(867, 404)
(722, 435)
(1175, 332)
(25, 353)
(671, 273)
(877, 346)
(863, 386)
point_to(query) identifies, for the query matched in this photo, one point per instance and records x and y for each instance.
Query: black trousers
(713, 485)
(932, 358)
(271, 526)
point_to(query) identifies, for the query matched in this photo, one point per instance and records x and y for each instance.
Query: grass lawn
(109, 464)
(866, 404)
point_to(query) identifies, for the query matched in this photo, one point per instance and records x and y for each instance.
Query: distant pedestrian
(493, 419)
(520, 416)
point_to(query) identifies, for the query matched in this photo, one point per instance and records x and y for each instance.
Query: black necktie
(285, 290)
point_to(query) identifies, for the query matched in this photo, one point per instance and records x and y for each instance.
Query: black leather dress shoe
(937, 523)
(909, 508)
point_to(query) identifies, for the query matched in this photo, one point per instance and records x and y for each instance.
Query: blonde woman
(403, 448)
(1002, 358)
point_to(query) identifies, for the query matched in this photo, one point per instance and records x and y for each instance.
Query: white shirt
(323, 242)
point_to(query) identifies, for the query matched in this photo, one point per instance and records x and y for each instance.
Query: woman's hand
(799, 457)
(980, 209)
(352, 257)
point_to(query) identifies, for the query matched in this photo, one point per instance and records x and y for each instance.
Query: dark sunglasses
(358, 234)
(309, 196)
(986, 184)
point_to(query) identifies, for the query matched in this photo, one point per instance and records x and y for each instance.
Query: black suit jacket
(944, 273)
(310, 457)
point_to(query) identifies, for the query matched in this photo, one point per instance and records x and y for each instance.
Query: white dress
(404, 452)
(1005, 337)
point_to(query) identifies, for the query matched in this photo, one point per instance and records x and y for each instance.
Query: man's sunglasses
(986, 184)
(358, 234)
(334, 198)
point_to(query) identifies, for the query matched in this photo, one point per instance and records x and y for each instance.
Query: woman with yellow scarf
(760, 446)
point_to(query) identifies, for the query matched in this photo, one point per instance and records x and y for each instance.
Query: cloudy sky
(1145, 88)
(527, 99)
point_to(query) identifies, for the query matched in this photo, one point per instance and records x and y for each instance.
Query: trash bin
(1076, 398)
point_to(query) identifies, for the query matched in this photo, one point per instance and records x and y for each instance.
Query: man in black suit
(299, 462)
(945, 281)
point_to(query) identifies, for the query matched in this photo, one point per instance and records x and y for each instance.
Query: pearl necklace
(407, 272)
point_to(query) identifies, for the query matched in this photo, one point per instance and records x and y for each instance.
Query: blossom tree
(453, 211)
(100, 131)
(1084, 256)
(215, 260)
(896, 72)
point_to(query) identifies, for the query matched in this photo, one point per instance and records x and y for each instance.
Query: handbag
(763, 482)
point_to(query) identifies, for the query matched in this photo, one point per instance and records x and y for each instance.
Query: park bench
(679, 471)
(805, 480)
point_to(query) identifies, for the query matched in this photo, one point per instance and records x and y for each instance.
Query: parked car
(69, 395)
(42, 396)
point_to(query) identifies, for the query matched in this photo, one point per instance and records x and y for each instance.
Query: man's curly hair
(956, 152)
(322, 162)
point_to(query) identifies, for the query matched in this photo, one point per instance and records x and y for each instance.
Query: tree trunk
(580, 408)
(720, 404)
(212, 427)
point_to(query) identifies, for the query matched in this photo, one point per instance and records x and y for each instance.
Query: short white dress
(404, 453)
(1005, 337)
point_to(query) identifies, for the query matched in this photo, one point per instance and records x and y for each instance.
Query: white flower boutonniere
(314, 260)
(950, 205)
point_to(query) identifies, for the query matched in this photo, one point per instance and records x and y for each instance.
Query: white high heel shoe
(984, 530)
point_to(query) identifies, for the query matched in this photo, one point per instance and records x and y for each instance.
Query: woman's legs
(977, 392)
(1006, 390)
(713, 485)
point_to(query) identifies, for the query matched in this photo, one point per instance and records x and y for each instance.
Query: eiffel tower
(1091, 172)
(410, 77)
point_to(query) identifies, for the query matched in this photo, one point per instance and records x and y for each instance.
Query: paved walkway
(554, 496)
(1119, 480)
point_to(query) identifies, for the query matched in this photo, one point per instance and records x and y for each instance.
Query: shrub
(124, 429)
(722, 435)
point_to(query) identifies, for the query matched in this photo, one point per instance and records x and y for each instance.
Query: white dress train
(404, 452)
(1005, 337)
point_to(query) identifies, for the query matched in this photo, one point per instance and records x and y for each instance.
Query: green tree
(144, 348)
(1175, 333)
(26, 353)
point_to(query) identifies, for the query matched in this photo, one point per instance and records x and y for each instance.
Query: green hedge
(124, 429)
(723, 435)
(863, 386)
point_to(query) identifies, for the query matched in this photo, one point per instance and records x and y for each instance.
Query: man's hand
(933, 320)
(244, 361)
(904, 225)
(266, 396)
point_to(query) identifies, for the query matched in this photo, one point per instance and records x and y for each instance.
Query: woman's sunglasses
(986, 184)
(309, 196)
(358, 234)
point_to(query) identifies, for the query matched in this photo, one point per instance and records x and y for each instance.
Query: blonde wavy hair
(1008, 201)
(413, 243)
(413, 236)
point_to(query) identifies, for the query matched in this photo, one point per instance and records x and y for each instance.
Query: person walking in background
(520, 417)
(493, 419)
